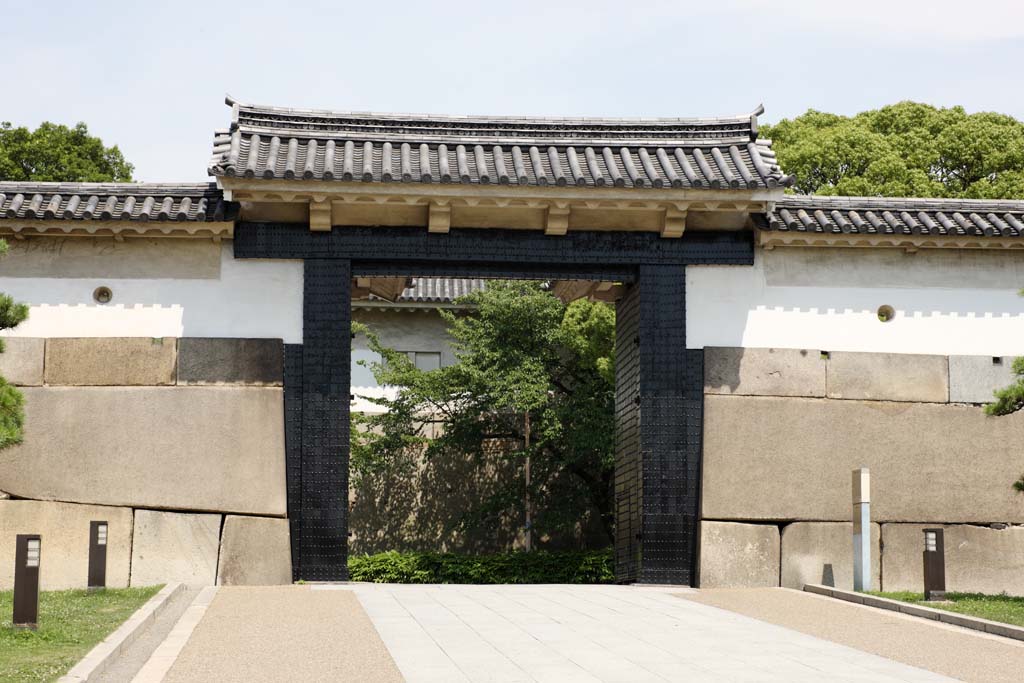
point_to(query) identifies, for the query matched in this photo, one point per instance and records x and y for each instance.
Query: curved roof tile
(114, 201)
(277, 143)
(896, 216)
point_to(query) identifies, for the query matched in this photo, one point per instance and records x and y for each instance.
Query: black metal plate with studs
(473, 245)
(293, 449)
(326, 354)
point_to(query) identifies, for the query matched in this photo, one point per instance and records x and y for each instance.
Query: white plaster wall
(948, 302)
(250, 298)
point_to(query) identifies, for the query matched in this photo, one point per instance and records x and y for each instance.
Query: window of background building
(425, 360)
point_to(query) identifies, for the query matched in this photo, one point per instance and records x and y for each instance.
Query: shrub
(594, 566)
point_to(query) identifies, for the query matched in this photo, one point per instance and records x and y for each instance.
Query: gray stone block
(822, 553)
(21, 363)
(230, 361)
(888, 377)
(790, 459)
(973, 379)
(64, 528)
(110, 361)
(978, 559)
(254, 551)
(186, 448)
(736, 555)
(174, 547)
(764, 372)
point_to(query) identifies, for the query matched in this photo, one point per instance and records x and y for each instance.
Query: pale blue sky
(151, 77)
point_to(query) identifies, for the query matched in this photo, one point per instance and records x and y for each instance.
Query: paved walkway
(598, 633)
(960, 653)
(563, 634)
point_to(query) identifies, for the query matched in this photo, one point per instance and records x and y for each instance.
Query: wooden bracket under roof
(440, 217)
(386, 288)
(320, 216)
(675, 222)
(557, 221)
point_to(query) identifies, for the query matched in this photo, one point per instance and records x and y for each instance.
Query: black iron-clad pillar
(326, 352)
(659, 414)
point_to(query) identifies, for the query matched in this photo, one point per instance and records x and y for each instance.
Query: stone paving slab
(599, 633)
(955, 652)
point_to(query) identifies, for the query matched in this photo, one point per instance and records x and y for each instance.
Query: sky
(151, 76)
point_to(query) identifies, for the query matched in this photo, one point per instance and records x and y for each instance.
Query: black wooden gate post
(326, 354)
(659, 413)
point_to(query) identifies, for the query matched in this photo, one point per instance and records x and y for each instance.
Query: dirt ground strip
(949, 650)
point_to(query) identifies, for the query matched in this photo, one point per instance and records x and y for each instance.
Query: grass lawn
(1005, 608)
(70, 624)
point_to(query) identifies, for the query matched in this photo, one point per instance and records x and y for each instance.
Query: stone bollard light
(934, 565)
(97, 555)
(26, 581)
(861, 529)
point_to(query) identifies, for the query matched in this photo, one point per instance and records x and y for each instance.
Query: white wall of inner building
(408, 329)
(241, 298)
(947, 302)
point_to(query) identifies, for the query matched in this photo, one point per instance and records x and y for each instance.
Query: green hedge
(535, 567)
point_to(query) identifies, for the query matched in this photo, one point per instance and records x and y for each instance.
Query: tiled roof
(277, 143)
(439, 290)
(114, 201)
(896, 216)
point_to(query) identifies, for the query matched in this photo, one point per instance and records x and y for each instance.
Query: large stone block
(978, 559)
(888, 377)
(21, 363)
(110, 361)
(254, 551)
(174, 547)
(64, 528)
(822, 552)
(230, 361)
(187, 448)
(738, 555)
(764, 372)
(973, 379)
(791, 458)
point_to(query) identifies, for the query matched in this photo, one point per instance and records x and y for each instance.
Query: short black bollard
(26, 582)
(934, 565)
(97, 555)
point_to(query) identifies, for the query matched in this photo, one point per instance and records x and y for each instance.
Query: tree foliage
(903, 150)
(519, 350)
(12, 413)
(55, 152)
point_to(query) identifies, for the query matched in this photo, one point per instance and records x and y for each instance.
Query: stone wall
(178, 444)
(784, 428)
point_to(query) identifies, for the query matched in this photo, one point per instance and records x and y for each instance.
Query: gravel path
(949, 650)
(284, 633)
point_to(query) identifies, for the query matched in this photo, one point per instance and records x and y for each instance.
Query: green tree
(55, 152)
(12, 413)
(520, 352)
(907, 149)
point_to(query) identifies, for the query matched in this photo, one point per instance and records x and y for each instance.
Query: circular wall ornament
(102, 295)
(886, 313)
